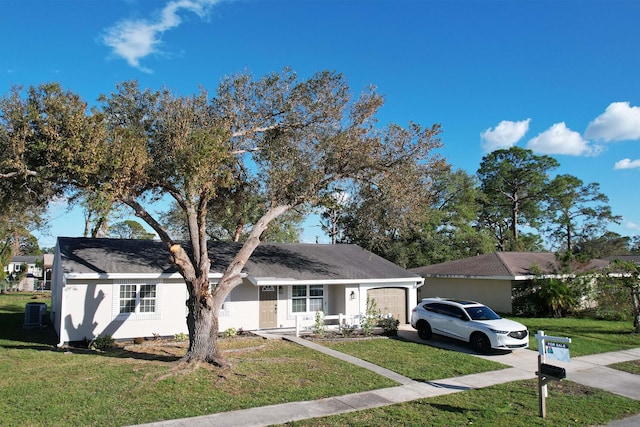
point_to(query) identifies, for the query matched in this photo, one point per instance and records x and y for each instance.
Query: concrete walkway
(587, 370)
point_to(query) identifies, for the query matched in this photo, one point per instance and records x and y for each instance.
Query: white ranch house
(128, 288)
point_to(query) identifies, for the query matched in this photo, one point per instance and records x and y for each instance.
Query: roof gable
(286, 261)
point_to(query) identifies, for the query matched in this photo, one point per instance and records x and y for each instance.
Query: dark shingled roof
(270, 260)
(504, 264)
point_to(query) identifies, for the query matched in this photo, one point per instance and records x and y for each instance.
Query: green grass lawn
(41, 385)
(413, 360)
(513, 404)
(588, 336)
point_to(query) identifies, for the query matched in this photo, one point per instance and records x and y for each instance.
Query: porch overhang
(414, 282)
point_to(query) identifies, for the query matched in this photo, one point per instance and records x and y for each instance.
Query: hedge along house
(128, 288)
(491, 278)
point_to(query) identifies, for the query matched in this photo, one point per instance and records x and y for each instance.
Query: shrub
(181, 336)
(347, 330)
(230, 333)
(138, 340)
(389, 326)
(370, 319)
(318, 326)
(102, 343)
(547, 297)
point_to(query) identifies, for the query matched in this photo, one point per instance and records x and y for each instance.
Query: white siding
(90, 313)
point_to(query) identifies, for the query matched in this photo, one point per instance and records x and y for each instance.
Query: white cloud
(505, 135)
(136, 39)
(632, 226)
(559, 139)
(619, 122)
(627, 164)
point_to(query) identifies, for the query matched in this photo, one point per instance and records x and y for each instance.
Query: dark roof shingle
(270, 260)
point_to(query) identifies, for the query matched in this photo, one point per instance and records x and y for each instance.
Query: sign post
(553, 348)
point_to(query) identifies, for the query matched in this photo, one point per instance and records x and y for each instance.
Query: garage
(391, 300)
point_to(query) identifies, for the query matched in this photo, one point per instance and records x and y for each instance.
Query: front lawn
(588, 336)
(417, 361)
(41, 385)
(512, 404)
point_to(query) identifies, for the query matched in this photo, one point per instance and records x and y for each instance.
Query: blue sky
(559, 77)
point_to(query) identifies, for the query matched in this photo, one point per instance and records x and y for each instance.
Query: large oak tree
(299, 138)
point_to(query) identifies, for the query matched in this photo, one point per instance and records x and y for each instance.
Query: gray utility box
(34, 313)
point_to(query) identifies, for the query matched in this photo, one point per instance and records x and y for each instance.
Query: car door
(436, 318)
(456, 324)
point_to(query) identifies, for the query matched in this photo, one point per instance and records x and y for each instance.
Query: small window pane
(299, 305)
(316, 290)
(127, 306)
(299, 291)
(128, 291)
(315, 304)
(148, 291)
(147, 306)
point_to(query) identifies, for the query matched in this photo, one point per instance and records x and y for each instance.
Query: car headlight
(496, 331)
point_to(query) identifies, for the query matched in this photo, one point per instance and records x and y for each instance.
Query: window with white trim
(307, 298)
(138, 298)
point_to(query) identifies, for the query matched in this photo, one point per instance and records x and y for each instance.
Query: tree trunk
(202, 323)
(635, 296)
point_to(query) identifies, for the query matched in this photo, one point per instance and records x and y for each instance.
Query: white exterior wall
(241, 310)
(90, 309)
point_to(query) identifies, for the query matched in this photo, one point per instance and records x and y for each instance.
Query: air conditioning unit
(34, 313)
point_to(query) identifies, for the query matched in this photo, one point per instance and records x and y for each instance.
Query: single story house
(490, 278)
(129, 288)
(32, 269)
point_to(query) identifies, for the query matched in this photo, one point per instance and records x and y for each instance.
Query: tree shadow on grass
(14, 336)
(128, 352)
(13, 330)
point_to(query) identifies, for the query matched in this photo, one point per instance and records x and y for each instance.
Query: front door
(268, 307)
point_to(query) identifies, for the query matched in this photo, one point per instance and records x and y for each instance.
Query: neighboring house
(490, 278)
(128, 288)
(33, 274)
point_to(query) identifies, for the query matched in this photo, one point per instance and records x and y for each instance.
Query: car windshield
(481, 313)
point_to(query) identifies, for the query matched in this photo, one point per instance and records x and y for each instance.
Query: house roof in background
(26, 259)
(627, 258)
(504, 264)
(270, 260)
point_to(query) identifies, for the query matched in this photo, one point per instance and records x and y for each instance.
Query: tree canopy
(513, 181)
(297, 138)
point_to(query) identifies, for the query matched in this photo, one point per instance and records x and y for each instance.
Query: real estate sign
(557, 351)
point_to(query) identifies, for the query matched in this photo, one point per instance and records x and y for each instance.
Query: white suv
(468, 321)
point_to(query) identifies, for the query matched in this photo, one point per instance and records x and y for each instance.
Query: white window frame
(308, 298)
(136, 314)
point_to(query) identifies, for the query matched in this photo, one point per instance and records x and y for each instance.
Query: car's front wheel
(424, 330)
(480, 343)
